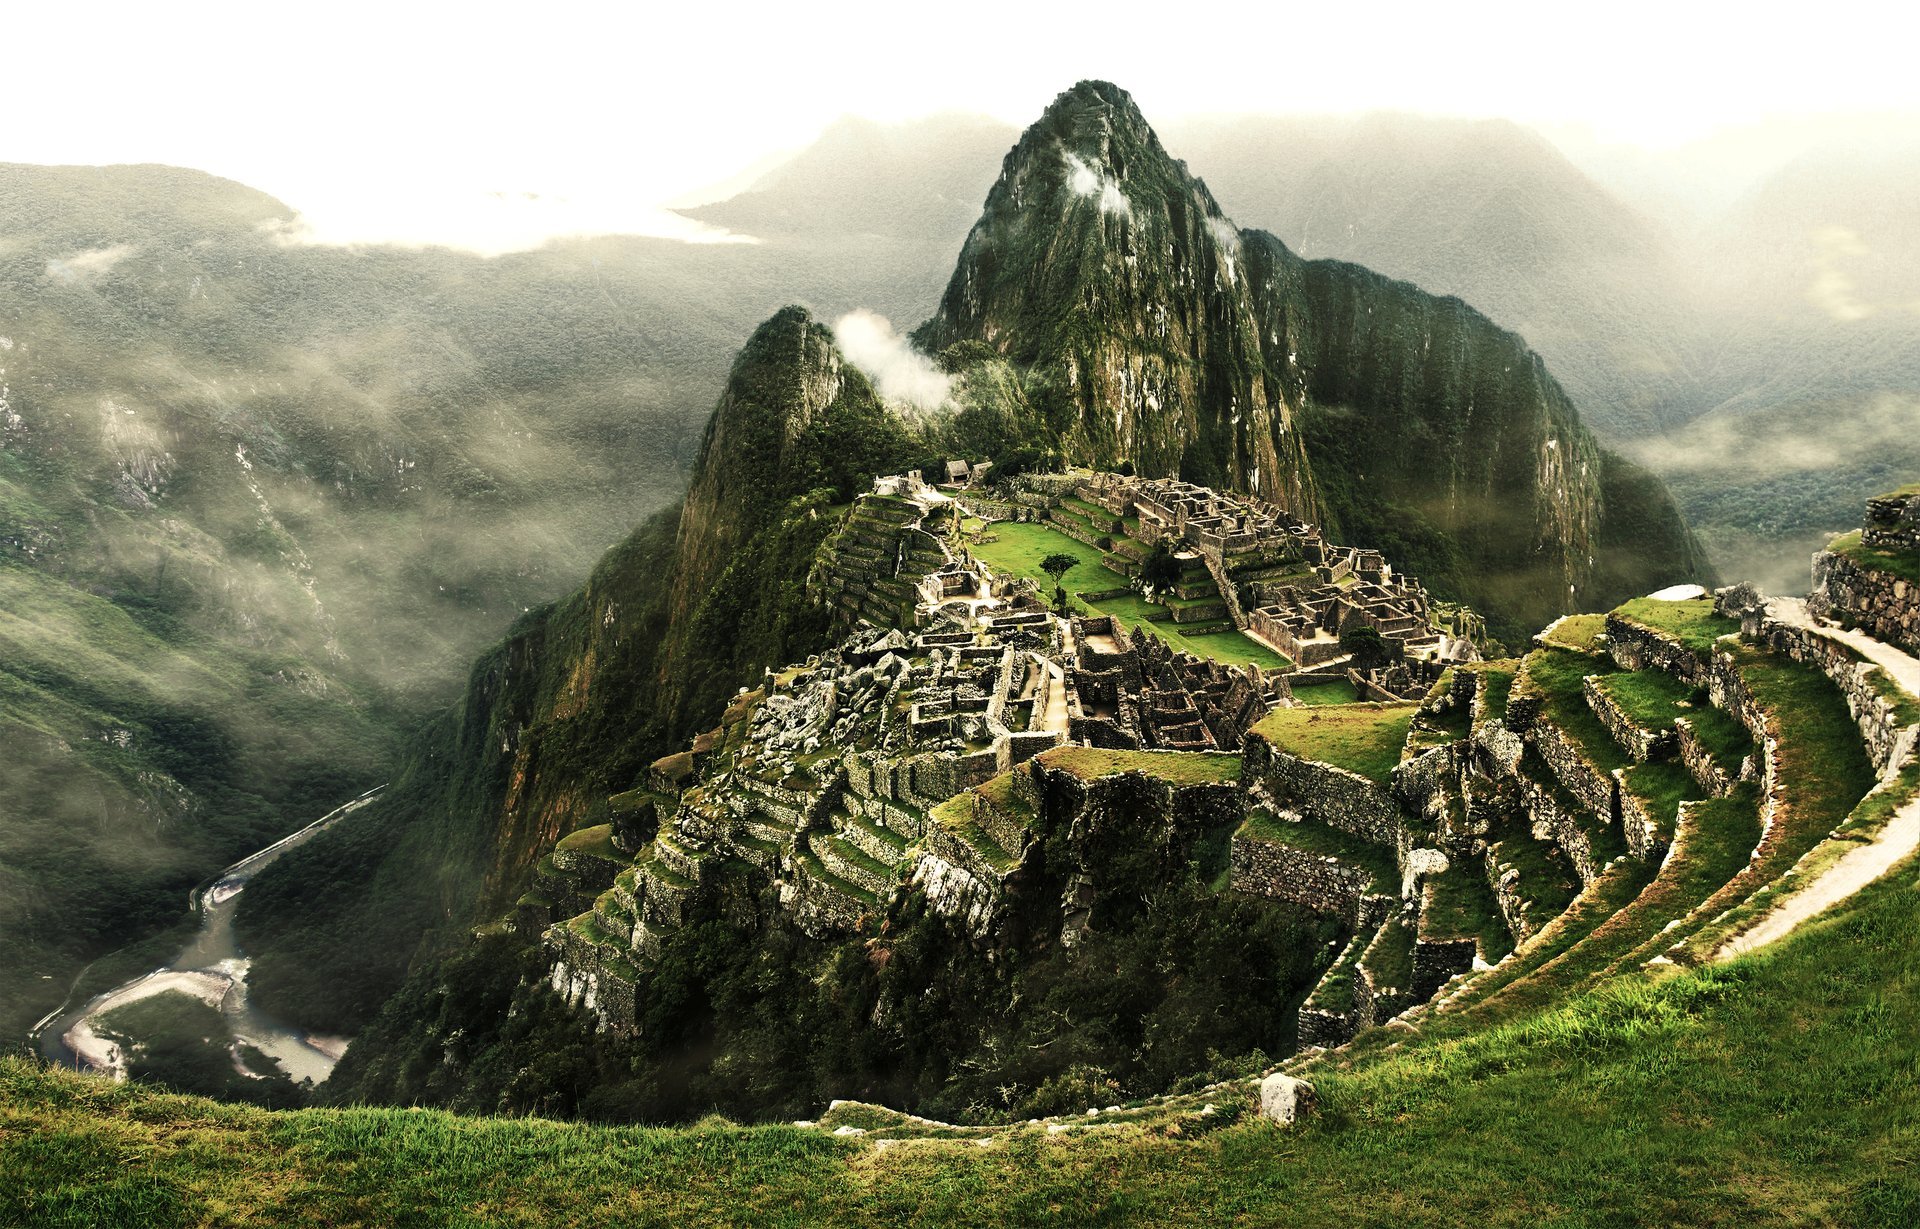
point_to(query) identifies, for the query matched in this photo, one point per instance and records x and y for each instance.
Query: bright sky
(493, 125)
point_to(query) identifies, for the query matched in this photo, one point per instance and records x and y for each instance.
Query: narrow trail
(1859, 867)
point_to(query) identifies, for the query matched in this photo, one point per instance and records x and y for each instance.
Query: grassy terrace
(1314, 837)
(1906, 567)
(1362, 738)
(1546, 881)
(1580, 633)
(1820, 762)
(1334, 991)
(594, 842)
(1653, 698)
(1723, 737)
(1389, 959)
(1340, 691)
(1692, 622)
(956, 816)
(1719, 835)
(1460, 905)
(1661, 787)
(1019, 548)
(1179, 767)
(1497, 680)
(1729, 1119)
(1556, 676)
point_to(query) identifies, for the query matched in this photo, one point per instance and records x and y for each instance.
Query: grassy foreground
(1778, 1089)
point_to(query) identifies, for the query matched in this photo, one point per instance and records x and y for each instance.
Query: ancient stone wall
(1321, 883)
(1340, 799)
(1892, 523)
(1578, 775)
(1638, 741)
(1698, 762)
(1435, 962)
(1886, 736)
(1634, 646)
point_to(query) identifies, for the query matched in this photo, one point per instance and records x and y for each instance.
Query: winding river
(211, 968)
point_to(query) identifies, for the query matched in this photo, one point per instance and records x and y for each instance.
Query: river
(212, 968)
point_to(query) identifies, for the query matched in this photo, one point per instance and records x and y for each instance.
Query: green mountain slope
(1523, 515)
(1677, 1101)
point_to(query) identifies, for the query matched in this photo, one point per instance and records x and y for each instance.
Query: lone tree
(1057, 566)
(1161, 569)
(1368, 646)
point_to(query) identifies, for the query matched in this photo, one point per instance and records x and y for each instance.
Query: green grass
(1722, 736)
(1652, 698)
(1020, 548)
(1906, 567)
(1557, 675)
(1692, 622)
(1768, 1091)
(594, 842)
(1340, 691)
(1315, 837)
(1661, 787)
(1362, 738)
(1178, 767)
(1460, 905)
(956, 815)
(1334, 991)
(1578, 632)
(1546, 881)
(1499, 686)
(1389, 960)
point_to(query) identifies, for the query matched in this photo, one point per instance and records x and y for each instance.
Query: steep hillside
(1151, 330)
(1486, 211)
(585, 692)
(1102, 309)
(1649, 1101)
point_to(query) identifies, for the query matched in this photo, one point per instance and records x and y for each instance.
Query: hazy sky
(491, 125)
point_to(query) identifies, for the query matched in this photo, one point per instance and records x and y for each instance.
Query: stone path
(1861, 866)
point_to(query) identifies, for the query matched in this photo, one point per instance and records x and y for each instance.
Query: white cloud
(1089, 182)
(88, 265)
(898, 371)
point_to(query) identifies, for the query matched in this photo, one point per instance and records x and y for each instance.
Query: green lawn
(1020, 548)
(1578, 632)
(1340, 691)
(1179, 767)
(1692, 622)
(1362, 738)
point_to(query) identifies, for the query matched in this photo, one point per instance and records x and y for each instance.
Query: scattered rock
(1286, 1100)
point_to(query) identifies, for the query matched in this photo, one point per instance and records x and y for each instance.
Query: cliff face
(583, 693)
(1108, 273)
(1151, 330)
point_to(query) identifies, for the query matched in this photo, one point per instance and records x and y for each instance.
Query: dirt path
(1858, 867)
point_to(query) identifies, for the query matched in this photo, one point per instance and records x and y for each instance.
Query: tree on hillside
(1161, 569)
(1057, 566)
(1368, 646)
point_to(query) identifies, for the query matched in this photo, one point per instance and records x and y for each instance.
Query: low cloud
(89, 265)
(1089, 182)
(898, 371)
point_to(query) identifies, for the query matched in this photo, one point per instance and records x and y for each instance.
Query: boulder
(1286, 1100)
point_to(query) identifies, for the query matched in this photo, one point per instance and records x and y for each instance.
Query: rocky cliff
(1152, 331)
